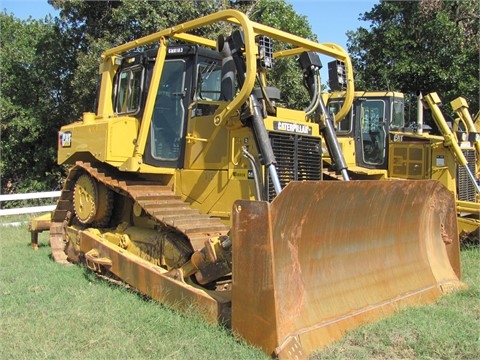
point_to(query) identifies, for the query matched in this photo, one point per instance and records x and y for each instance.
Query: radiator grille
(465, 188)
(298, 158)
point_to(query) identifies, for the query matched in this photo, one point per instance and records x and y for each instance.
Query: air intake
(298, 158)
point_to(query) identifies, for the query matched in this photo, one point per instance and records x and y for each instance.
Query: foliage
(34, 99)
(427, 46)
(49, 68)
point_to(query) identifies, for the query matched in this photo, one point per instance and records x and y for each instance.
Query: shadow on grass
(470, 243)
(40, 245)
(190, 312)
(110, 279)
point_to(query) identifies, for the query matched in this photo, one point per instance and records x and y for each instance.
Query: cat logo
(292, 127)
(65, 139)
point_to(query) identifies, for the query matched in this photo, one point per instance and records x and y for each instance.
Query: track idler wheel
(92, 201)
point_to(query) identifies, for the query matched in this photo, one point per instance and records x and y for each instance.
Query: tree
(33, 94)
(427, 45)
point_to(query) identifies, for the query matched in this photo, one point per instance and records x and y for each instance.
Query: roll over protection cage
(250, 30)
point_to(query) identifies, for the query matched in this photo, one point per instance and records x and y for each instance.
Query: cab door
(165, 147)
(371, 133)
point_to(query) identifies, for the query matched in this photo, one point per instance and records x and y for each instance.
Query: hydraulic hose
(256, 119)
(312, 83)
(263, 142)
(316, 94)
(332, 143)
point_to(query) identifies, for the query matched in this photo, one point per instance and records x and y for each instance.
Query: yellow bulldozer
(192, 183)
(377, 144)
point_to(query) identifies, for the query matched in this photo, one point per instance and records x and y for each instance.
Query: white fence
(28, 196)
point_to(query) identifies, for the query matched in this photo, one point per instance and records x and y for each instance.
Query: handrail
(251, 29)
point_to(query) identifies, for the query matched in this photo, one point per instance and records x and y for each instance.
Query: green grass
(53, 312)
(49, 311)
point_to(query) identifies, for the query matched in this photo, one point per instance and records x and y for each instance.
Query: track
(159, 203)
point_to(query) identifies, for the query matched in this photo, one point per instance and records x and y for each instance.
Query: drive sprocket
(92, 201)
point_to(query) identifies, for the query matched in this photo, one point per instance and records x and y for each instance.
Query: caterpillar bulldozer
(192, 184)
(378, 144)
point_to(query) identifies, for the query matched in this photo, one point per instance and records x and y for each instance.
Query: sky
(330, 19)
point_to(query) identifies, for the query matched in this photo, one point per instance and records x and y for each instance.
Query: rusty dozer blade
(325, 257)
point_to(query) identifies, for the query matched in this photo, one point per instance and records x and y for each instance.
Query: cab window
(129, 90)
(398, 116)
(209, 81)
(345, 125)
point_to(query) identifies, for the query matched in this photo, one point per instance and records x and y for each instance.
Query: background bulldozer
(378, 144)
(194, 185)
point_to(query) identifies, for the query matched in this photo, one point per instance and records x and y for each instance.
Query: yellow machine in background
(191, 183)
(377, 145)
(468, 132)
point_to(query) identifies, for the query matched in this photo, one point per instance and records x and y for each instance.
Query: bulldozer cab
(371, 119)
(190, 73)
